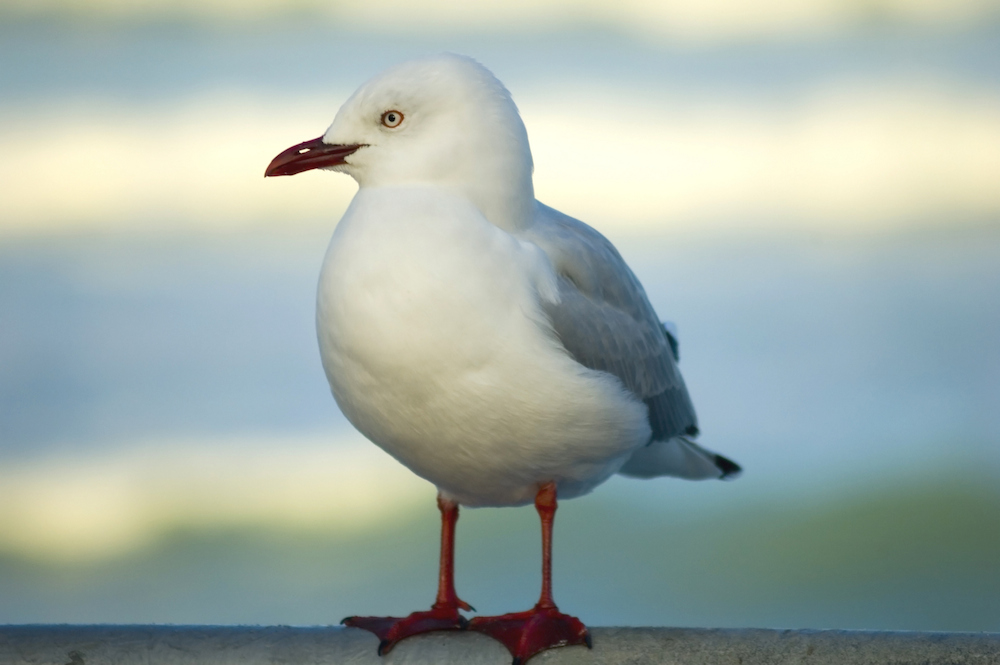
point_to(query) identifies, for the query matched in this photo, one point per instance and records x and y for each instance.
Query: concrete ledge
(255, 645)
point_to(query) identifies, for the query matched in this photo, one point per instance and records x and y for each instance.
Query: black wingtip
(730, 469)
(675, 348)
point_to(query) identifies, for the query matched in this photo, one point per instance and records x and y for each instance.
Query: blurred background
(809, 189)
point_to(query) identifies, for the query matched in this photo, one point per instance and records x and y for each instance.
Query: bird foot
(390, 630)
(527, 633)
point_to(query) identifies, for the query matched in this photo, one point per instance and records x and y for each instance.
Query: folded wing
(605, 321)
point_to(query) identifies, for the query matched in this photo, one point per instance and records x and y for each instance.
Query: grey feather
(606, 322)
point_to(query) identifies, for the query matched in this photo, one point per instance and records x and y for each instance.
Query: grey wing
(606, 322)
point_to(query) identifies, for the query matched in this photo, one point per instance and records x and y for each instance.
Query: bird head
(443, 121)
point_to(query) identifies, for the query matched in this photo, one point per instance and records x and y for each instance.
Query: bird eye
(392, 119)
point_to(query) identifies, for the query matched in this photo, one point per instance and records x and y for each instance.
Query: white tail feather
(680, 457)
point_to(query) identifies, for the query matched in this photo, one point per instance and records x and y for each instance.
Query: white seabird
(498, 348)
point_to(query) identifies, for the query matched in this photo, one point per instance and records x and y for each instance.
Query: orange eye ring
(392, 119)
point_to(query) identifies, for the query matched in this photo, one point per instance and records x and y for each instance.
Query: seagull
(498, 348)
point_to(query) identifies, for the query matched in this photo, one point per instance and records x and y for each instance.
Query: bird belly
(437, 350)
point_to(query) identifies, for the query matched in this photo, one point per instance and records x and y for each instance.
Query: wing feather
(606, 322)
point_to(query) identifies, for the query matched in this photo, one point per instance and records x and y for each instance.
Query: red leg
(443, 614)
(544, 626)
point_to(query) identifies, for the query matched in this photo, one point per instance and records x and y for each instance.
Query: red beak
(309, 155)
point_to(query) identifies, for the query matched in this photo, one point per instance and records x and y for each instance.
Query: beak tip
(274, 168)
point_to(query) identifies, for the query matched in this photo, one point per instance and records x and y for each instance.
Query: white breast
(437, 350)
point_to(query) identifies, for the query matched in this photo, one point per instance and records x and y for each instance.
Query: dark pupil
(391, 117)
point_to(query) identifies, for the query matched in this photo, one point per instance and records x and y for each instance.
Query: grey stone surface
(279, 645)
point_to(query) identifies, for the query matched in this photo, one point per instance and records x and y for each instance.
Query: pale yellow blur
(843, 159)
(850, 159)
(705, 20)
(197, 164)
(94, 505)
